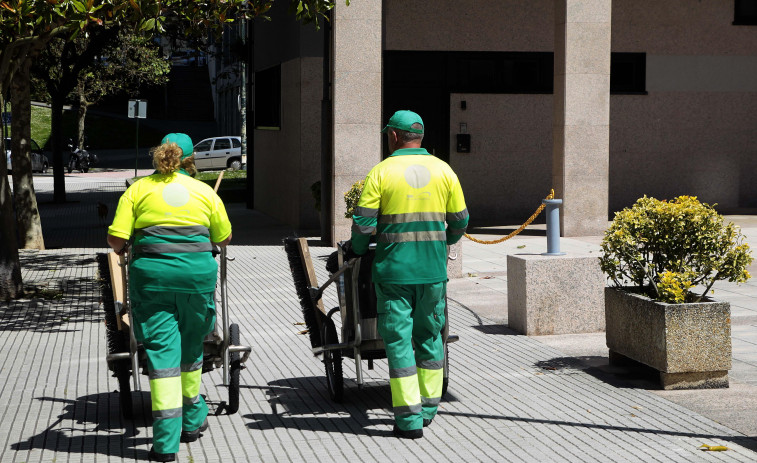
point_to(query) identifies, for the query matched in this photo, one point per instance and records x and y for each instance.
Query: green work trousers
(172, 326)
(410, 321)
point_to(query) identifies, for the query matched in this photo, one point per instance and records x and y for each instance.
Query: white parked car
(219, 153)
(39, 160)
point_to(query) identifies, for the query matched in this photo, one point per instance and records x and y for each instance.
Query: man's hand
(349, 253)
(119, 245)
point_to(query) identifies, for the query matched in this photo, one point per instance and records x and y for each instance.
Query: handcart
(126, 356)
(359, 338)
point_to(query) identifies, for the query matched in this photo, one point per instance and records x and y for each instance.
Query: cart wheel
(235, 366)
(333, 361)
(445, 380)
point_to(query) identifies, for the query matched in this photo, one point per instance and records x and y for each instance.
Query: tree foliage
(26, 26)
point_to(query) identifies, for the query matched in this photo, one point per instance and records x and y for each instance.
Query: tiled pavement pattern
(511, 398)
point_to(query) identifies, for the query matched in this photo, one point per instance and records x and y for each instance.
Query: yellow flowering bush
(352, 196)
(666, 248)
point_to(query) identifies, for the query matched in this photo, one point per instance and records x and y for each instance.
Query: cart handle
(317, 293)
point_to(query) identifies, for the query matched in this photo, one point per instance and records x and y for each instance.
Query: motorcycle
(80, 159)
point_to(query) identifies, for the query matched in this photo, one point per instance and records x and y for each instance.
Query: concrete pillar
(581, 134)
(357, 102)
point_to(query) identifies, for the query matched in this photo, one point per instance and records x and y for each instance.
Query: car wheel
(235, 164)
(45, 167)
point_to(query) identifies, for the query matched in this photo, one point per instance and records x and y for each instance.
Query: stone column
(357, 102)
(582, 114)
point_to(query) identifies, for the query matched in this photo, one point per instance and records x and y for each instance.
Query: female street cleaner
(173, 221)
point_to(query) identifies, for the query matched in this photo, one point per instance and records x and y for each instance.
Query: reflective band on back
(412, 217)
(363, 230)
(191, 366)
(431, 364)
(412, 236)
(365, 212)
(164, 373)
(402, 372)
(407, 409)
(167, 248)
(167, 414)
(161, 230)
(455, 216)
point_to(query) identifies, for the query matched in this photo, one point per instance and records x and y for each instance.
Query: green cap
(404, 120)
(184, 142)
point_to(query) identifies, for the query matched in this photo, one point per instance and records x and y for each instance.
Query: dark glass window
(745, 13)
(268, 98)
(628, 73)
(236, 143)
(500, 72)
(222, 144)
(203, 145)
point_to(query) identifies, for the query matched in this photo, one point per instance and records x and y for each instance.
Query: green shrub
(665, 248)
(352, 196)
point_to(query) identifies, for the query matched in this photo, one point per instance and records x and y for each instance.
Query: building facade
(604, 101)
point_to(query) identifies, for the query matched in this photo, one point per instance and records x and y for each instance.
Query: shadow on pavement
(78, 428)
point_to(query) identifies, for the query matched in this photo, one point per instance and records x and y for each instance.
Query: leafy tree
(26, 26)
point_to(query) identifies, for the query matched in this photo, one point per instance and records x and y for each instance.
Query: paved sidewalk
(511, 397)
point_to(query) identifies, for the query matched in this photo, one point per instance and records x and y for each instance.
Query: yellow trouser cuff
(166, 393)
(190, 382)
(405, 391)
(430, 382)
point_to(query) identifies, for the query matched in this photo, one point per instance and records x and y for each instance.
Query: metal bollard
(553, 227)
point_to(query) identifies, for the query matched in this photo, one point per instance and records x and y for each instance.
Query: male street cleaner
(406, 200)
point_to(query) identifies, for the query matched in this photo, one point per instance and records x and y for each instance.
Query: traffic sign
(138, 109)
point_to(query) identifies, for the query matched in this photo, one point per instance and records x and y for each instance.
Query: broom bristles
(117, 341)
(309, 311)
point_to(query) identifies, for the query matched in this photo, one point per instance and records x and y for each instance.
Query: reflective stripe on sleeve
(366, 212)
(455, 216)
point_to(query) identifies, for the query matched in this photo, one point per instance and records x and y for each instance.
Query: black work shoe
(191, 436)
(426, 422)
(410, 434)
(155, 456)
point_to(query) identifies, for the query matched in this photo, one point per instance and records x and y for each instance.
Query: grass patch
(102, 132)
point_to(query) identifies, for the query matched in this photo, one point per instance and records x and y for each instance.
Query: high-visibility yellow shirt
(406, 200)
(172, 220)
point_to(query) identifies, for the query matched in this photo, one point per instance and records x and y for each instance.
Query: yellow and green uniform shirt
(173, 219)
(406, 200)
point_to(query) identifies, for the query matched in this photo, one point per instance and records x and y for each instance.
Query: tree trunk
(56, 143)
(82, 112)
(29, 226)
(11, 285)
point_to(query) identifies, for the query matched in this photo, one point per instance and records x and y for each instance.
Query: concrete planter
(689, 344)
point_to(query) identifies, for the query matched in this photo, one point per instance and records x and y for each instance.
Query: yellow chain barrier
(551, 195)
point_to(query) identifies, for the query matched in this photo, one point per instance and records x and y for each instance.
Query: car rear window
(236, 143)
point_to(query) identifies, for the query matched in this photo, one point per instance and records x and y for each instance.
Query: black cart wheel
(445, 380)
(123, 373)
(71, 164)
(332, 359)
(235, 366)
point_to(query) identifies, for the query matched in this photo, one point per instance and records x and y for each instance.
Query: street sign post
(137, 110)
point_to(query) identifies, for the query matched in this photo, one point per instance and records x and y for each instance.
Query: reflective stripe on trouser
(413, 315)
(171, 326)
